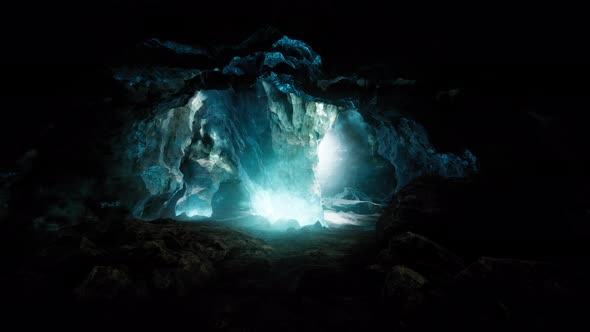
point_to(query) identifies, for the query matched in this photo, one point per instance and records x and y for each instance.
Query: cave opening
(269, 149)
(348, 164)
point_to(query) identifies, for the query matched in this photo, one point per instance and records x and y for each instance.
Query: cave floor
(234, 275)
(215, 275)
(318, 279)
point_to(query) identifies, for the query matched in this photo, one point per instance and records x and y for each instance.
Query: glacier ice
(265, 138)
(261, 146)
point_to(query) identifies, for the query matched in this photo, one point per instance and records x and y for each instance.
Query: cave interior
(294, 166)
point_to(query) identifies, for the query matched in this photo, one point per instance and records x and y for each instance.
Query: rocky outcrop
(441, 209)
(140, 261)
(508, 294)
(439, 228)
(422, 255)
(404, 290)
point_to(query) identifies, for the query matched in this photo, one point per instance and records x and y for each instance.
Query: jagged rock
(262, 39)
(186, 274)
(147, 84)
(404, 290)
(171, 53)
(508, 294)
(358, 207)
(105, 283)
(443, 210)
(88, 247)
(134, 260)
(341, 86)
(317, 227)
(211, 79)
(422, 255)
(513, 278)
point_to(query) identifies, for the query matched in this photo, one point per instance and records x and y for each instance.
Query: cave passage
(348, 166)
(271, 148)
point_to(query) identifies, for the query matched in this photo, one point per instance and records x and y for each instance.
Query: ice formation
(199, 151)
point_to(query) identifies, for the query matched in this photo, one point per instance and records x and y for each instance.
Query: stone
(442, 209)
(404, 290)
(422, 255)
(499, 294)
(104, 283)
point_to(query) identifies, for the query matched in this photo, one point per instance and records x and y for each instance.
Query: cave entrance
(354, 179)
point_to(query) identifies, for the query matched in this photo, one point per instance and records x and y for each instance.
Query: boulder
(496, 294)
(105, 283)
(449, 211)
(422, 255)
(404, 290)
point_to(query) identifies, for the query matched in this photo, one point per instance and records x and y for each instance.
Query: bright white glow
(283, 205)
(341, 218)
(205, 212)
(334, 218)
(194, 204)
(327, 154)
(197, 101)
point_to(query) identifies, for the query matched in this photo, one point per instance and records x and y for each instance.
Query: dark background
(517, 56)
(404, 33)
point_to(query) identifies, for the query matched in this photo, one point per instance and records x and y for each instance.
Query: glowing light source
(327, 154)
(284, 206)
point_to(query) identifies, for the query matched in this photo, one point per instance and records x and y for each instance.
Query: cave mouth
(227, 151)
(355, 180)
(344, 191)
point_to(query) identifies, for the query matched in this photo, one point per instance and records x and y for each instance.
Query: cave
(296, 166)
(268, 144)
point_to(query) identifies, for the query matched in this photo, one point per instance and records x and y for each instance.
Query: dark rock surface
(404, 290)
(509, 295)
(465, 292)
(473, 217)
(128, 266)
(419, 253)
(501, 251)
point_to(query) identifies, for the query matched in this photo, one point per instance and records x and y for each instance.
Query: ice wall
(253, 128)
(264, 137)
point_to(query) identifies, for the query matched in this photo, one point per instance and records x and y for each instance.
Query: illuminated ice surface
(274, 141)
(336, 219)
(328, 155)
